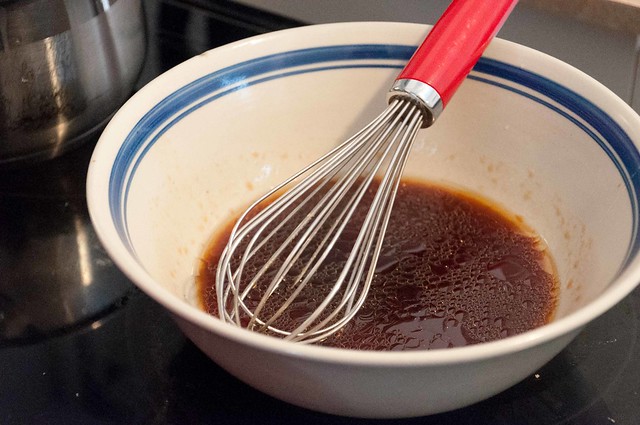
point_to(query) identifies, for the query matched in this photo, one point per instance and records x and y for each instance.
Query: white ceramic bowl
(526, 130)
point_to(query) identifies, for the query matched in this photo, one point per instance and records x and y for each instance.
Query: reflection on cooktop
(56, 275)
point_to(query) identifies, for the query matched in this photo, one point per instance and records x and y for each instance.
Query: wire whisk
(330, 218)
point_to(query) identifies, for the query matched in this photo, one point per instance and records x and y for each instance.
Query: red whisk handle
(452, 48)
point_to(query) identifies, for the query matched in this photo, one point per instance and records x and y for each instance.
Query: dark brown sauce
(453, 271)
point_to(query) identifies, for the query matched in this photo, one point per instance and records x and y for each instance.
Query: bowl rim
(98, 175)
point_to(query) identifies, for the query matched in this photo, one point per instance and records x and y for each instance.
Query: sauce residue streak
(453, 271)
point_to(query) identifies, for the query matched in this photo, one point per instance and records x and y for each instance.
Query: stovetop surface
(79, 344)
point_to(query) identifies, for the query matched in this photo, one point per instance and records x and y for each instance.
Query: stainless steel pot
(65, 67)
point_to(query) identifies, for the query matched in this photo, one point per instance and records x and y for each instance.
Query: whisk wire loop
(265, 217)
(243, 226)
(337, 184)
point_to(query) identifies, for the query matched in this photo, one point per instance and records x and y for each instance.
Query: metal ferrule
(422, 94)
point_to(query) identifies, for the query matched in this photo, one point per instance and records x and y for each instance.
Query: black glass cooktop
(79, 344)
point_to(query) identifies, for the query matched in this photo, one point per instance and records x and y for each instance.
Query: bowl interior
(202, 141)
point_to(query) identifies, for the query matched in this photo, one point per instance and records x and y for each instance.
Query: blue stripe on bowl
(170, 110)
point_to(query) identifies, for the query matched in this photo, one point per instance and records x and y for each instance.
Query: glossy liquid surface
(453, 271)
